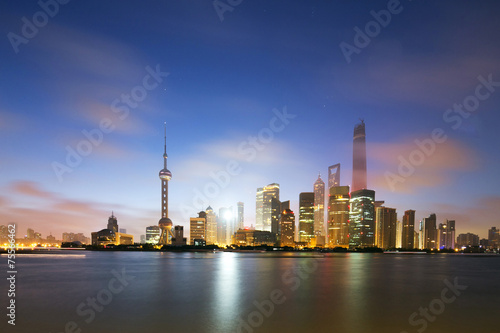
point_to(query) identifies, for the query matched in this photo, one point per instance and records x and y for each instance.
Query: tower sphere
(165, 222)
(165, 174)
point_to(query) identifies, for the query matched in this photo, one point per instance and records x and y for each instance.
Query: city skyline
(294, 92)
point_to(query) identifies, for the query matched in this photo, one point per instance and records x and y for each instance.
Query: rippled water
(253, 292)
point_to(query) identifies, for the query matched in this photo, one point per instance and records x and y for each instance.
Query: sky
(252, 93)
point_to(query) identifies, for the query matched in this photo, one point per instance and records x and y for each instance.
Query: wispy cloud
(30, 206)
(437, 169)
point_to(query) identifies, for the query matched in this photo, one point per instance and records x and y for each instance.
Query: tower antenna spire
(165, 145)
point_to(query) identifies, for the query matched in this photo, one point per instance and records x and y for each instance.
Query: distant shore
(44, 250)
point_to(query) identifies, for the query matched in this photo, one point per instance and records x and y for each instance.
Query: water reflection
(226, 292)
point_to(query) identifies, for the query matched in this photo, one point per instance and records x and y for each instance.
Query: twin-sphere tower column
(165, 223)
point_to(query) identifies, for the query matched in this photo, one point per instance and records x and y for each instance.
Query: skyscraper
(319, 207)
(451, 234)
(269, 192)
(386, 219)
(259, 205)
(198, 228)
(430, 232)
(333, 175)
(275, 215)
(241, 215)
(287, 227)
(211, 226)
(113, 223)
(408, 236)
(362, 219)
(493, 237)
(283, 206)
(165, 175)
(359, 158)
(338, 217)
(223, 223)
(446, 235)
(306, 216)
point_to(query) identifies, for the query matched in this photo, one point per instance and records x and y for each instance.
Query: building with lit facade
(319, 208)
(359, 158)
(240, 224)
(110, 236)
(225, 222)
(211, 226)
(430, 232)
(268, 193)
(408, 235)
(338, 217)
(362, 219)
(287, 228)
(306, 216)
(385, 221)
(244, 237)
(198, 227)
(153, 234)
(259, 206)
(446, 235)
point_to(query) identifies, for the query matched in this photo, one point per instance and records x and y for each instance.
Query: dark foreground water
(253, 292)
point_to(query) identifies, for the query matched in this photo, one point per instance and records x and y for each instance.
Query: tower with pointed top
(165, 175)
(319, 207)
(359, 158)
(113, 223)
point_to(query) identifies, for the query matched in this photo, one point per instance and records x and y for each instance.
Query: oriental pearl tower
(165, 223)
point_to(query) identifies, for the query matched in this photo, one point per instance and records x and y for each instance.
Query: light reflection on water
(212, 292)
(227, 290)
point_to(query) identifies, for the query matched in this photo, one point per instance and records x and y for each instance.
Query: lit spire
(165, 147)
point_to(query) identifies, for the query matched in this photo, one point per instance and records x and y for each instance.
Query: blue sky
(225, 79)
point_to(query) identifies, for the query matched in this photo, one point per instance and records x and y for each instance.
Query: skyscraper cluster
(354, 219)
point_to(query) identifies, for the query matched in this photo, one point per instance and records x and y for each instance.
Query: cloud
(418, 170)
(477, 218)
(30, 206)
(386, 73)
(87, 72)
(30, 189)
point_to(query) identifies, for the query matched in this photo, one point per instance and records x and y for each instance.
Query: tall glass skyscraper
(319, 207)
(338, 217)
(259, 205)
(264, 206)
(430, 232)
(306, 216)
(287, 228)
(211, 226)
(333, 175)
(241, 215)
(408, 237)
(386, 220)
(359, 158)
(362, 219)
